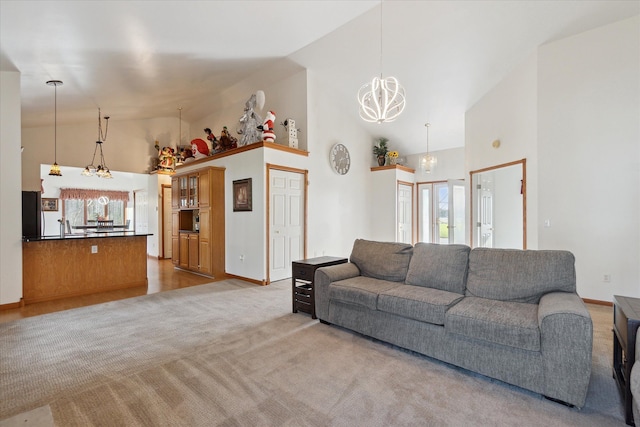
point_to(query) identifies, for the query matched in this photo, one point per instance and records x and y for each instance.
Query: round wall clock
(340, 159)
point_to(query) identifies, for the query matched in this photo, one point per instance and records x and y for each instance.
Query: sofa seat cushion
(519, 275)
(360, 290)
(418, 303)
(382, 260)
(508, 323)
(439, 266)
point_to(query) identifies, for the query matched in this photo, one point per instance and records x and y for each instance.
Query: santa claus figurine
(267, 127)
(200, 148)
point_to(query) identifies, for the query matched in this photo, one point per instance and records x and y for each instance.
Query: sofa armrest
(323, 278)
(566, 343)
(634, 383)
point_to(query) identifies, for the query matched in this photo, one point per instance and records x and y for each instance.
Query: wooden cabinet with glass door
(193, 190)
(183, 182)
(201, 197)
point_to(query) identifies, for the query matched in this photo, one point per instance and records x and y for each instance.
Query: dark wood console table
(626, 319)
(303, 273)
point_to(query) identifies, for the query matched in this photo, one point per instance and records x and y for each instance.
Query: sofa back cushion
(382, 260)
(441, 267)
(519, 275)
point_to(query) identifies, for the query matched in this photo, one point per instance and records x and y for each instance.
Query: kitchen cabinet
(198, 221)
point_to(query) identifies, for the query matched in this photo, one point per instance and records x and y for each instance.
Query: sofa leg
(324, 321)
(559, 401)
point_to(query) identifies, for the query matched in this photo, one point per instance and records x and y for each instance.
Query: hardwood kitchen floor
(161, 277)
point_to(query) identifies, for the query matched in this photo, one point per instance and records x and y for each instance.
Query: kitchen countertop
(92, 235)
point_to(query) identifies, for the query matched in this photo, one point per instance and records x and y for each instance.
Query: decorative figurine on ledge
(200, 148)
(167, 160)
(211, 138)
(250, 120)
(227, 142)
(187, 155)
(267, 127)
(292, 132)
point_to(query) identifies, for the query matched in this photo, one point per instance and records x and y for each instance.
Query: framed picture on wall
(50, 205)
(242, 195)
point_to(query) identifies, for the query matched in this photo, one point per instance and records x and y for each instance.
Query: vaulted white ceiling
(142, 59)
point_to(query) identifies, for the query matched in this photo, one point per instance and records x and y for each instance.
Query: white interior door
(405, 208)
(166, 222)
(141, 212)
(286, 219)
(485, 212)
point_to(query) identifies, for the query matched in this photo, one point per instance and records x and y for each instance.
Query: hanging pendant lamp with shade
(55, 169)
(428, 161)
(383, 99)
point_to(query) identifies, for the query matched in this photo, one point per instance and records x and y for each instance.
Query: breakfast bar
(56, 267)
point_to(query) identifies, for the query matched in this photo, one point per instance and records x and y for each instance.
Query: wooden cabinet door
(194, 259)
(175, 250)
(175, 237)
(175, 223)
(205, 224)
(205, 257)
(205, 189)
(184, 250)
(175, 193)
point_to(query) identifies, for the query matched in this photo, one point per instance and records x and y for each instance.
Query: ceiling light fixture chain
(428, 161)
(101, 170)
(382, 100)
(55, 169)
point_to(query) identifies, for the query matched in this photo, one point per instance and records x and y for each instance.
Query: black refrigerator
(31, 214)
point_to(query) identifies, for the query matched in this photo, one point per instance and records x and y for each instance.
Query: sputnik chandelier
(101, 170)
(382, 100)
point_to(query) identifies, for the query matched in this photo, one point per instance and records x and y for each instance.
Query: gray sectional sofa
(635, 382)
(513, 315)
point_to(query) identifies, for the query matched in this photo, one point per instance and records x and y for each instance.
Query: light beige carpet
(232, 354)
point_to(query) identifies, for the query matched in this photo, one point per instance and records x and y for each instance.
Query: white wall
(450, 165)
(508, 113)
(589, 155)
(339, 205)
(286, 96)
(129, 145)
(10, 192)
(572, 110)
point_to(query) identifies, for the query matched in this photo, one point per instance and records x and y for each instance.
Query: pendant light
(428, 161)
(101, 170)
(382, 100)
(55, 169)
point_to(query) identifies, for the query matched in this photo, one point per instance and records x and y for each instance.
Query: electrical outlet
(606, 278)
(241, 258)
(94, 249)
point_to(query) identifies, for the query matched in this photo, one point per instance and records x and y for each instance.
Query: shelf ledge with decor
(396, 166)
(254, 146)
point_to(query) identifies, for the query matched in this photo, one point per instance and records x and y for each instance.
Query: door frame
(305, 174)
(523, 191)
(412, 211)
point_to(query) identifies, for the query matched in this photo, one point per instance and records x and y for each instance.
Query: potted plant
(380, 150)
